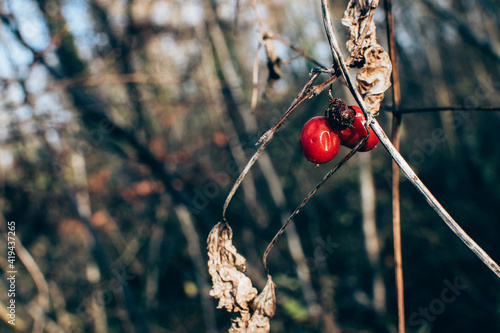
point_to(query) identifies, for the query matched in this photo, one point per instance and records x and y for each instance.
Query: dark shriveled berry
(339, 115)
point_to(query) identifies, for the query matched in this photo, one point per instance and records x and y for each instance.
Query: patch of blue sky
(31, 24)
(172, 49)
(52, 137)
(17, 56)
(191, 13)
(50, 103)
(6, 157)
(37, 80)
(6, 71)
(323, 53)
(227, 10)
(161, 12)
(14, 94)
(79, 21)
(23, 113)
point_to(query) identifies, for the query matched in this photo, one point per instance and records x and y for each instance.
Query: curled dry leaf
(233, 288)
(374, 76)
(263, 306)
(362, 31)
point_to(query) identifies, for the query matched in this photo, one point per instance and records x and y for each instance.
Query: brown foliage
(233, 288)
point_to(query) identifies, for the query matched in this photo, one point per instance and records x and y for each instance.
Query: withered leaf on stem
(362, 31)
(233, 288)
(273, 65)
(374, 77)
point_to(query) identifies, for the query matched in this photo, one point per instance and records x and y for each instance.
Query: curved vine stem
(339, 59)
(307, 91)
(403, 165)
(307, 197)
(432, 201)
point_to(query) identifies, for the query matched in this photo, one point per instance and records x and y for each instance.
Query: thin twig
(396, 140)
(255, 79)
(444, 108)
(215, 91)
(313, 91)
(257, 16)
(32, 267)
(305, 93)
(403, 165)
(270, 34)
(289, 60)
(255, 72)
(339, 60)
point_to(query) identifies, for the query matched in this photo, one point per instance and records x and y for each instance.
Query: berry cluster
(321, 137)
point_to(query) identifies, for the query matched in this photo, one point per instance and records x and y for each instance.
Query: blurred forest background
(123, 125)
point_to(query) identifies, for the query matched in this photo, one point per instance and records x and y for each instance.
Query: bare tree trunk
(197, 257)
(442, 96)
(265, 165)
(235, 145)
(368, 200)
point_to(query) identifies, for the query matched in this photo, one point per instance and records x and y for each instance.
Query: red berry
(351, 136)
(319, 142)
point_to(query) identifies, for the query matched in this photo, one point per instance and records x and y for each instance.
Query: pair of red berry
(320, 143)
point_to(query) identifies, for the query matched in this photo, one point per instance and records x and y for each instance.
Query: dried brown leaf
(374, 77)
(265, 302)
(263, 308)
(233, 288)
(362, 31)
